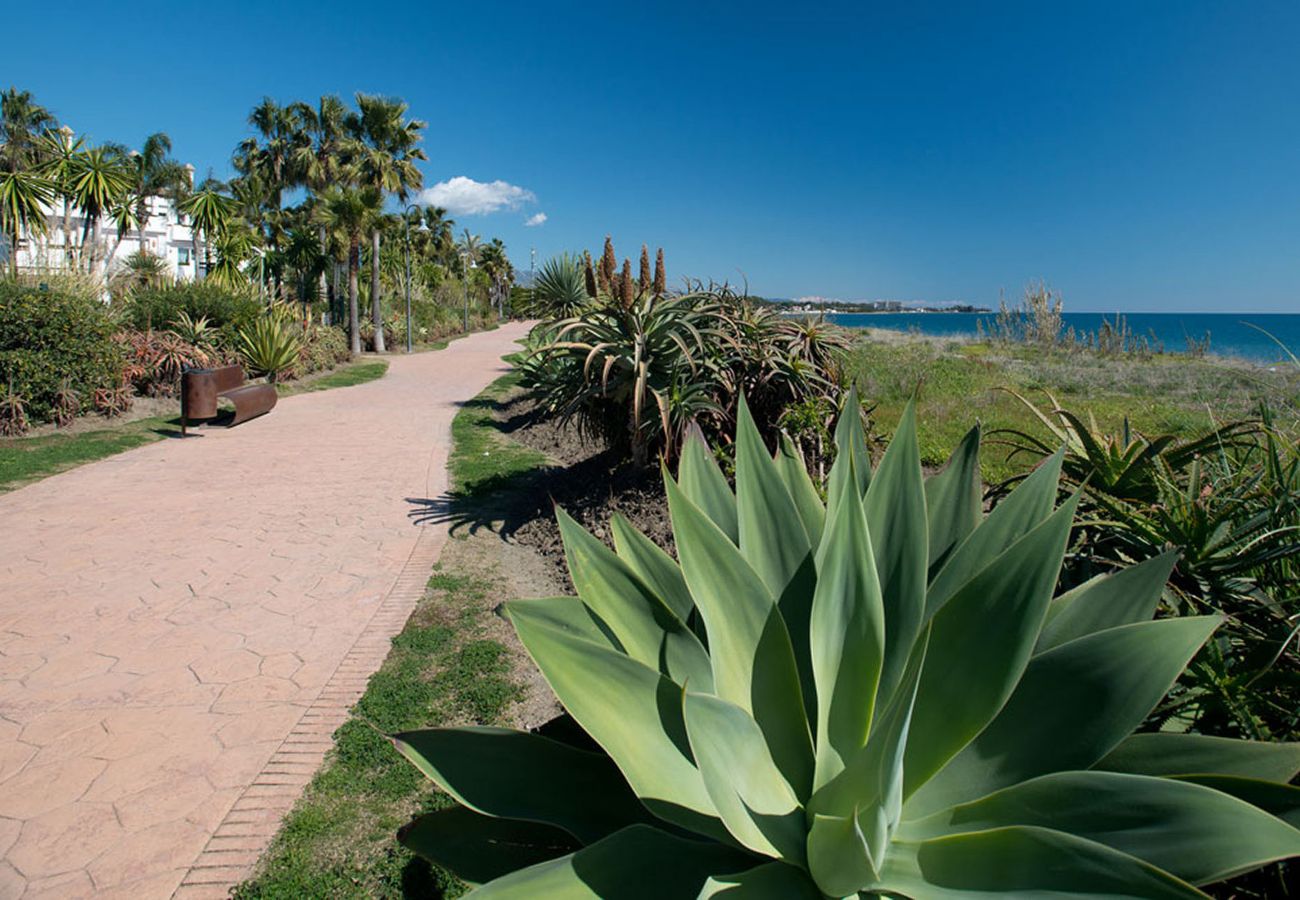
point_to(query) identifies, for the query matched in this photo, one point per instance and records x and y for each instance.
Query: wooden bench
(201, 388)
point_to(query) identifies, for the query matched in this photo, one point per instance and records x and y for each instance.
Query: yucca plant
(269, 346)
(13, 412)
(876, 697)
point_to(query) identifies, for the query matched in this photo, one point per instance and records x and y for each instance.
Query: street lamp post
(407, 217)
(470, 265)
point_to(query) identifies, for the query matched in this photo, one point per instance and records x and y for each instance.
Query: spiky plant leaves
(516, 775)
(704, 484)
(1106, 601)
(1001, 763)
(647, 628)
(952, 499)
(1192, 832)
(482, 848)
(656, 569)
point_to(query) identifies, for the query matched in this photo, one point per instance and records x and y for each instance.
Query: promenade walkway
(182, 626)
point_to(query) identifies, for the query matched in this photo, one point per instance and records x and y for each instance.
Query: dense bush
(51, 340)
(639, 372)
(322, 347)
(160, 308)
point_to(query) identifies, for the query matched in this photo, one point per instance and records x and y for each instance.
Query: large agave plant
(879, 696)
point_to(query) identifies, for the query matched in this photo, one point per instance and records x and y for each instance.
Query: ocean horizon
(1230, 334)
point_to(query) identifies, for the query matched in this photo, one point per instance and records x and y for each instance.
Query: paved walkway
(182, 625)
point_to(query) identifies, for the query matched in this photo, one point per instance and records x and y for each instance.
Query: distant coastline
(804, 306)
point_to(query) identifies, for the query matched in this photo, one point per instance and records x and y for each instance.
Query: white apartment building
(166, 234)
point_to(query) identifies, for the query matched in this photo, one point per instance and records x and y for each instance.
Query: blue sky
(1137, 156)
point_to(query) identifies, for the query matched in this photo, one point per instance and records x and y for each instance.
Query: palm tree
(156, 175)
(59, 151)
(210, 213)
(23, 198)
(22, 121)
(501, 274)
(100, 179)
(319, 162)
(271, 157)
(351, 212)
(385, 157)
(441, 233)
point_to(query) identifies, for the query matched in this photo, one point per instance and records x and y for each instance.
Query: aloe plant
(876, 696)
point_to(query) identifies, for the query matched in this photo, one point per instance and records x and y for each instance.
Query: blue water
(1229, 335)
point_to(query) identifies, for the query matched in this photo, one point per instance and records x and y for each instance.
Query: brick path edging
(254, 818)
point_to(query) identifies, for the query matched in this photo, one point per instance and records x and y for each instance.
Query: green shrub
(323, 347)
(270, 345)
(160, 308)
(55, 339)
(880, 696)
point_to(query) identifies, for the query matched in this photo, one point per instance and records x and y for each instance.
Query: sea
(1230, 334)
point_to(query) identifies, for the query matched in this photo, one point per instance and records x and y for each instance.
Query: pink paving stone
(194, 597)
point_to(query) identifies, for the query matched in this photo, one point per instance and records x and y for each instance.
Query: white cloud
(535, 220)
(463, 196)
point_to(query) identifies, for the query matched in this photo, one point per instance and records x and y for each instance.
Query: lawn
(957, 384)
(444, 669)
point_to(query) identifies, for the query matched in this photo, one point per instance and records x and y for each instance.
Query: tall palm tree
(441, 233)
(210, 213)
(319, 161)
(100, 180)
(385, 160)
(59, 151)
(272, 156)
(22, 121)
(351, 213)
(501, 274)
(23, 198)
(156, 175)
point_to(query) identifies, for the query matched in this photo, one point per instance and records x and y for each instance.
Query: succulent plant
(880, 695)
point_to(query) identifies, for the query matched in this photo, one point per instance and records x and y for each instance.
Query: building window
(183, 256)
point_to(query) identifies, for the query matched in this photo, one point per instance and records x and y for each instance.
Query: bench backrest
(228, 378)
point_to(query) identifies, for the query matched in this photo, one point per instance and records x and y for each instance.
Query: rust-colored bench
(201, 388)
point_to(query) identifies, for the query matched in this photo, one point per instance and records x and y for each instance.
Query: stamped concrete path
(183, 626)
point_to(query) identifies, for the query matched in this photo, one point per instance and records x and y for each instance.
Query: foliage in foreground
(881, 696)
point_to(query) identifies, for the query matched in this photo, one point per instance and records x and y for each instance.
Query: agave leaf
(753, 661)
(896, 520)
(631, 710)
(980, 643)
(480, 848)
(1162, 753)
(1118, 598)
(637, 863)
(703, 482)
(1281, 800)
(952, 499)
(1023, 509)
(773, 539)
(1074, 704)
(851, 443)
(792, 469)
(647, 629)
(1190, 831)
(756, 803)
(653, 566)
(1024, 863)
(873, 777)
(517, 775)
(571, 615)
(839, 856)
(770, 881)
(847, 638)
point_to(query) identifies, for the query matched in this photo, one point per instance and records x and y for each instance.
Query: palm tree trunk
(323, 287)
(375, 311)
(67, 233)
(354, 319)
